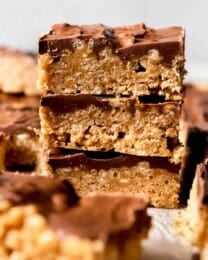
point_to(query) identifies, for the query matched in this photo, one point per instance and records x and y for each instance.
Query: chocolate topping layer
(19, 114)
(82, 159)
(126, 41)
(103, 215)
(61, 103)
(48, 194)
(67, 103)
(92, 217)
(14, 122)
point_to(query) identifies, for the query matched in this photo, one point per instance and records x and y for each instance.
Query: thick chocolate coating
(48, 194)
(80, 158)
(93, 217)
(103, 215)
(62, 103)
(15, 122)
(67, 103)
(126, 41)
(20, 114)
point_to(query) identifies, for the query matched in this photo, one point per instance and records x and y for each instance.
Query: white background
(23, 21)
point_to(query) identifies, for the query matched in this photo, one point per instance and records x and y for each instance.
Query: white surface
(22, 21)
(163, 243)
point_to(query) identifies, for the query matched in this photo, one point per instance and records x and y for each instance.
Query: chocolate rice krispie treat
(128, 60)
(42, 216)
(156, 177)
(115, 91)
(126, 125)
(19, 137)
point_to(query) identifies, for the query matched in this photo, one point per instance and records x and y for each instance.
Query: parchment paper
(163, 242)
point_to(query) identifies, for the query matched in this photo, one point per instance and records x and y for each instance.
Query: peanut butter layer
(52, 219)
(18, 126)
(18, 72)
(128, 60)
(123, 124)
(156, 177)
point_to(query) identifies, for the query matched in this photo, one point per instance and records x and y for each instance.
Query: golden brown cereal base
(18, 72)
(82, 71)
(25, 235)
(160, 185)
(127, 127)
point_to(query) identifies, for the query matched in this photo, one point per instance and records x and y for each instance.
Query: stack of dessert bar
(19, 101)
(111, 106)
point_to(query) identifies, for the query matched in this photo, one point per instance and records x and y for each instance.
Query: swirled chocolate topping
(126, 41)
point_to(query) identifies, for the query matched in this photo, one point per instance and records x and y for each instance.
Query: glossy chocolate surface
(86, 160)
(62, 103)
(126, 41)
(19, 114)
